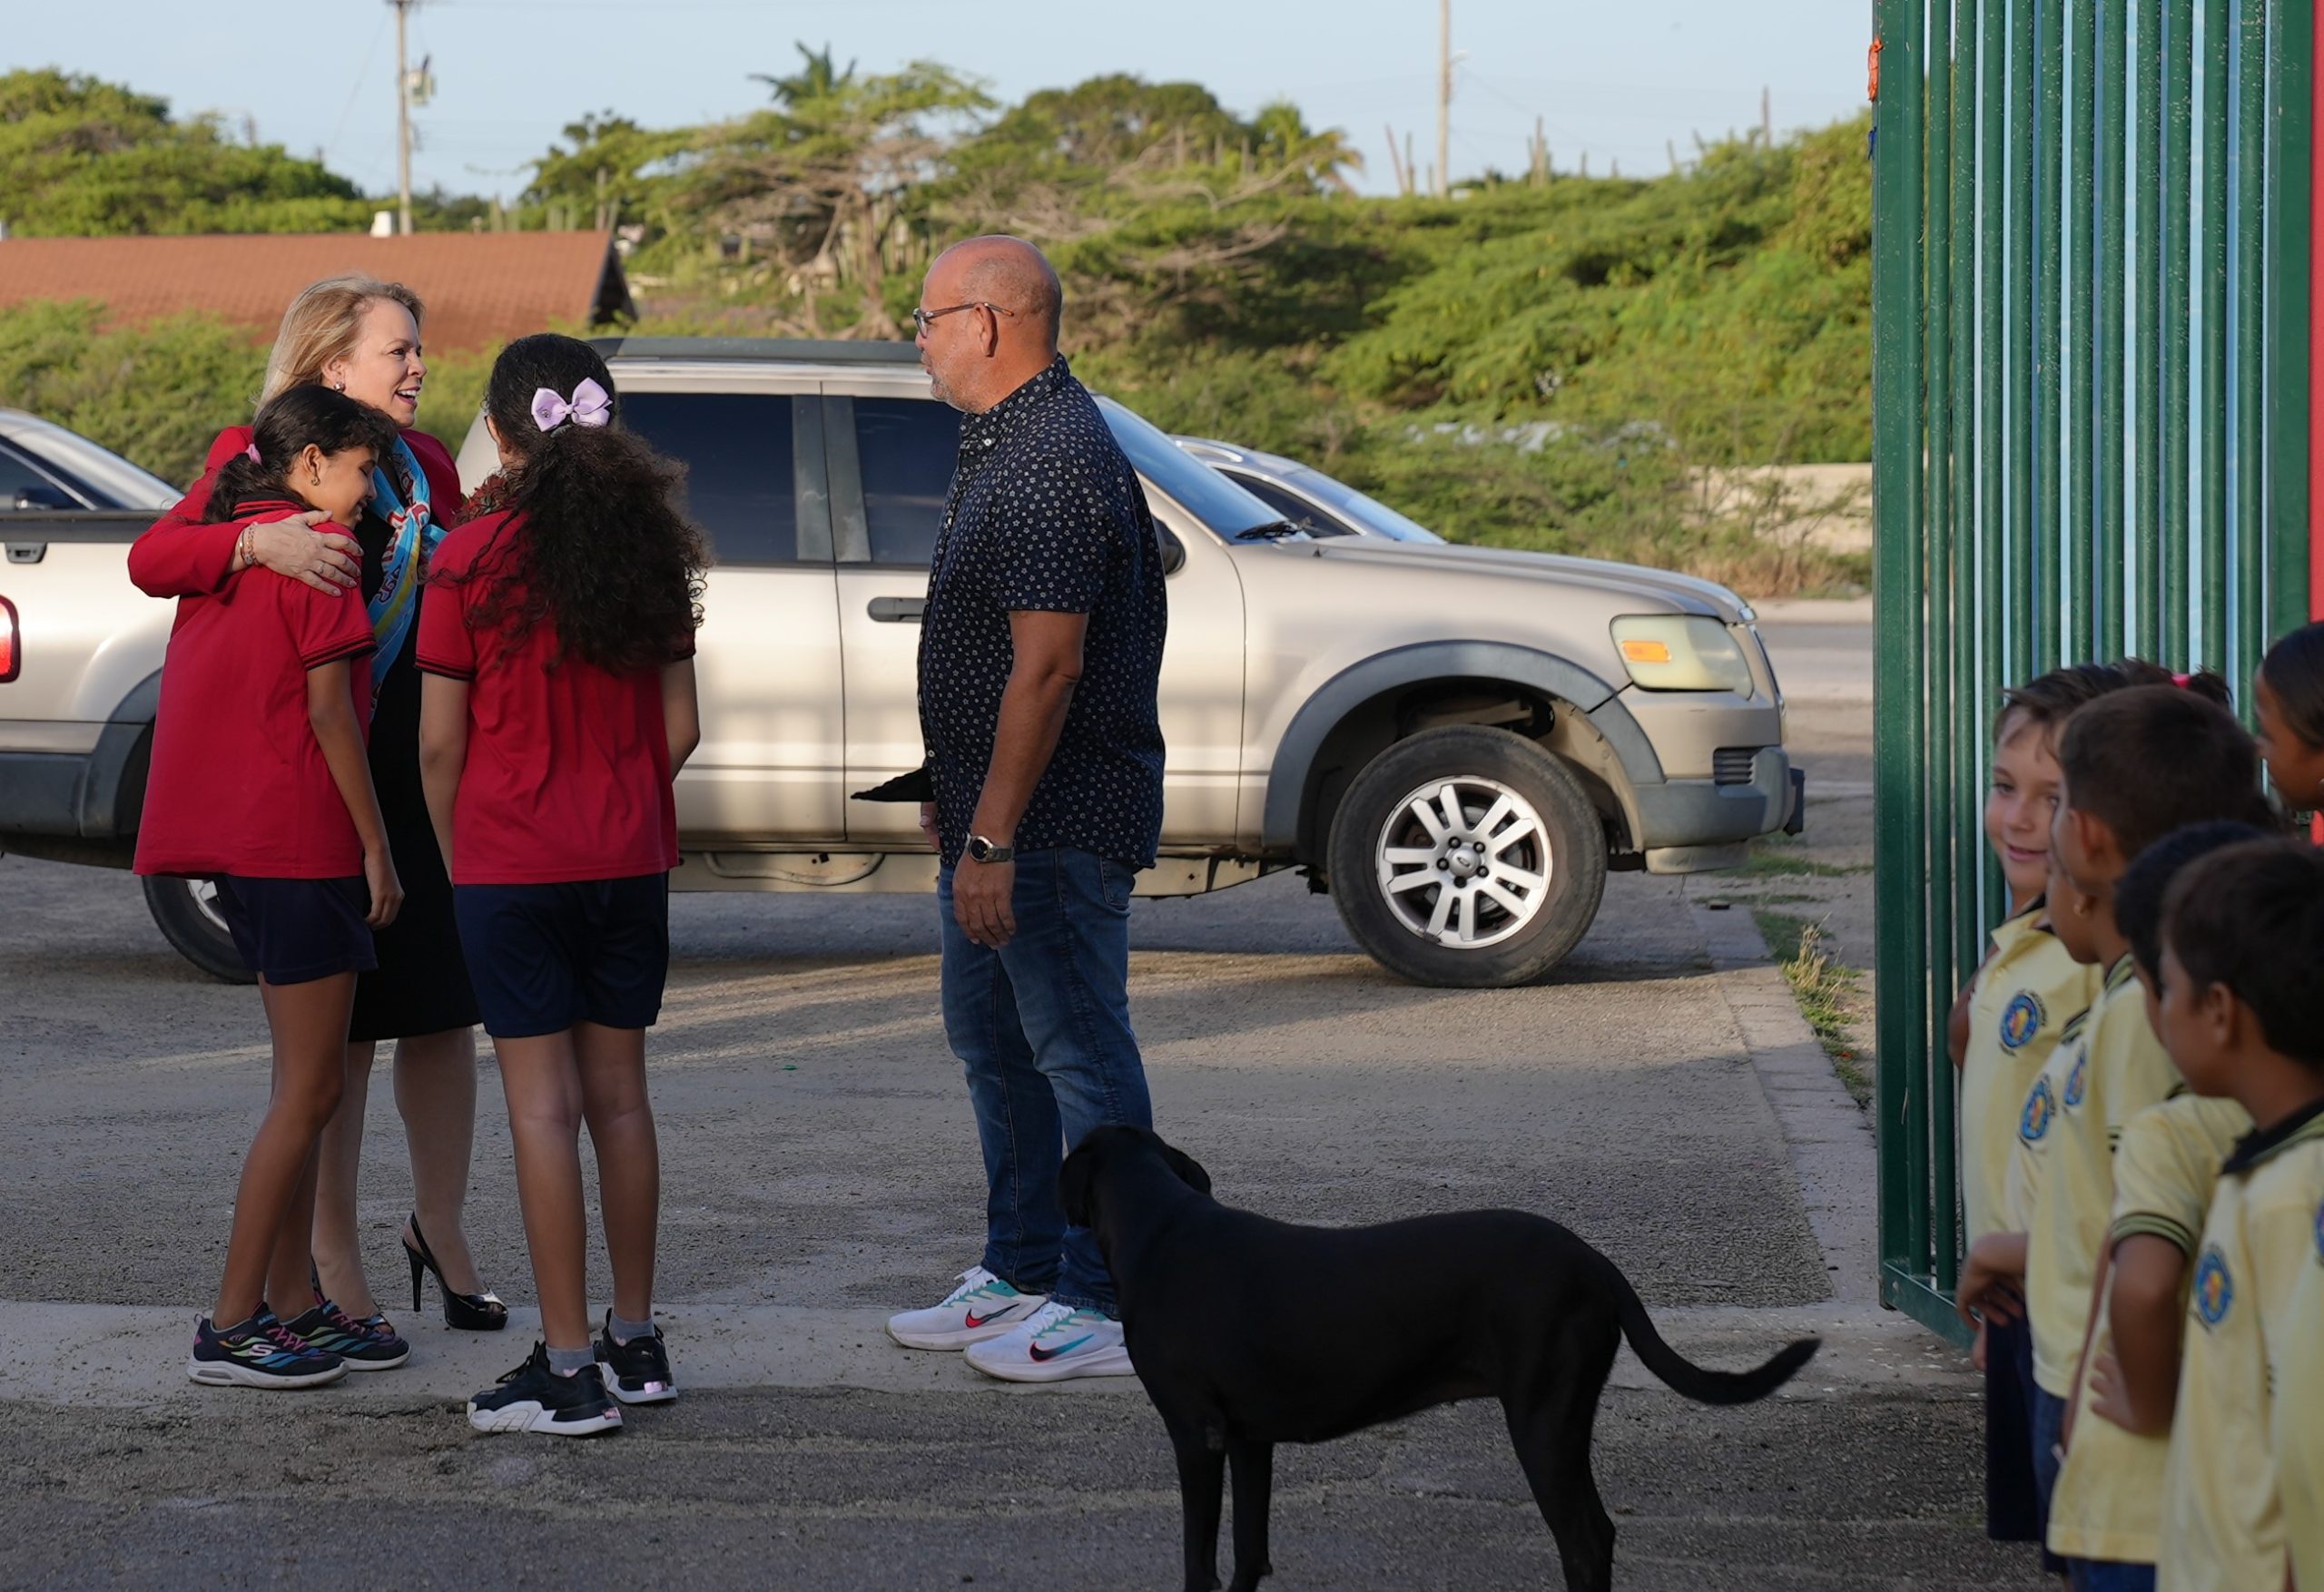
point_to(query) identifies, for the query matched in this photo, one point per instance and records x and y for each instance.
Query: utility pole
(1396, 163)
(1442, 181)
(1767, 120)
(403, 120)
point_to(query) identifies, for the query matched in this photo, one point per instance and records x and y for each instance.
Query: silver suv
(1456, 742)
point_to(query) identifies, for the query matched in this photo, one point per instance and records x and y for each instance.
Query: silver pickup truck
(1457, 742)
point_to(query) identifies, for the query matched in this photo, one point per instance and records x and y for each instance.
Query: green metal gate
(2091, 284)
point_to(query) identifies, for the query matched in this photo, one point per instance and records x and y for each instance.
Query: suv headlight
(1680, 652)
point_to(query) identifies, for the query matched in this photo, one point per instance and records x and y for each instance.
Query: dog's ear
(1076, 1187)
(1188, 1169)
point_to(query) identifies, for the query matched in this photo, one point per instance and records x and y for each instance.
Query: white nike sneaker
(1055, 1342)
(981, 1307)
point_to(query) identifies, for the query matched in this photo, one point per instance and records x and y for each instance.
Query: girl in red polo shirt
(558, 639)
(259, 780)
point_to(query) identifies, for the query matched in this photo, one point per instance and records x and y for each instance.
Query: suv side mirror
(1174, 552)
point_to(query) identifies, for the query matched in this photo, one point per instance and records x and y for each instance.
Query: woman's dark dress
(421, 984)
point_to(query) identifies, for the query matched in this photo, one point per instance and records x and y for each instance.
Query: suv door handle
(899, 610)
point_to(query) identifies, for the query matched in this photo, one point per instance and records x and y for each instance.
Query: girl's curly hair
(284, 426)
(595, 540)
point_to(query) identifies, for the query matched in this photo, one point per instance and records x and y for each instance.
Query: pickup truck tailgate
(86, 638)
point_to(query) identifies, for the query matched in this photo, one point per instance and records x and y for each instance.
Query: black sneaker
(366, 1345)
(533, 1398)
(259, 1352)
(637, 1371)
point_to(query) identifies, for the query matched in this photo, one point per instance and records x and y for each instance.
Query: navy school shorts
(545, 956)
(297, 931)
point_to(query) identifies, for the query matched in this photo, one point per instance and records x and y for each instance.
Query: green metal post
(1896, 349)
(2076, 570)
(1968, 232)
(2018, 580)
(1993, 238)
(2050, 441)
(2147, 334)
(2114, 83)
(2290, 221)
(2248, 358)
(1937, 661)
(2176, 218)
(2211, 279)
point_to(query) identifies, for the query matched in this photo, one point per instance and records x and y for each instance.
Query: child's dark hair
(2139, 894)
(2047, 701)
(2251, 916)
(2155, 759)
(602, 551)
(2294, 668)
(286, 425)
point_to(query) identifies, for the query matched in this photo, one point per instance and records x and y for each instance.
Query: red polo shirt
(568, 767)
(238, 782)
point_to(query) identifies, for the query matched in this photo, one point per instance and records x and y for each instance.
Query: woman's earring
(338, 387)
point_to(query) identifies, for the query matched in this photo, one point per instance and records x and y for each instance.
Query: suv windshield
(1368, 512)
(1194, 486)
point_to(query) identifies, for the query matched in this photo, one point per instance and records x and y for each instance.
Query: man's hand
(329, 562)
(983, 897)
(928, 825)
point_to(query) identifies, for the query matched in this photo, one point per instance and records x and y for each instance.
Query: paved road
(821, 1170)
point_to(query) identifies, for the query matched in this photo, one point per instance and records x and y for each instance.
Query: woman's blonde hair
(323, 324)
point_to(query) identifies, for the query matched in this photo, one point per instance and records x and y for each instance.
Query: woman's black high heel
(463, 1312)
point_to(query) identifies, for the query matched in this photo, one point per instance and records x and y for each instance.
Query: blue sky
(1615, 81)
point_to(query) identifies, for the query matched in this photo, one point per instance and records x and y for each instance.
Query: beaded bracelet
(246, 546)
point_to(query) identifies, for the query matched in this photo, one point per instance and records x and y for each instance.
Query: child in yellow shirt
(2110, 1489)
(2137, 764)
(2242, 1011)
(2006, 1024)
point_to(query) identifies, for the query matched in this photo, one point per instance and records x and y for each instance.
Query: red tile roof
(481, 289)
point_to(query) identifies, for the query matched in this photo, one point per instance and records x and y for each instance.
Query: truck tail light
(11, 645)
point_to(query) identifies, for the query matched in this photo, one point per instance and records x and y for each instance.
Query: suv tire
(184, 911)
(1467, 857)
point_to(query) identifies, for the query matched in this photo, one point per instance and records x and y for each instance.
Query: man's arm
(1047, 651)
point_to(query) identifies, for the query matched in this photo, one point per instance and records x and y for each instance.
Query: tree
(80, 157)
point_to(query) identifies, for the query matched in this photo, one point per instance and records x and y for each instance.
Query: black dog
(1225, 1314)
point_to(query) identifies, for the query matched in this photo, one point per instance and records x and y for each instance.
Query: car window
(20, 478)
(1290, 505)
(737, 450)
(905, 449)
(1369, 513)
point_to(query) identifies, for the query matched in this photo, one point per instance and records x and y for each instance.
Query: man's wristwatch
(981, 849)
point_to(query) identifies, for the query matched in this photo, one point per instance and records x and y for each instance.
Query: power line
(356, 92)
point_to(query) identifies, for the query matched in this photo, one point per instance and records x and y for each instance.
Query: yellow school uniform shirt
(2297, 1357)
(2224, 1524)
(2109, 1496)
(2027, 992)
(2119, 1071)
(2036, 1116)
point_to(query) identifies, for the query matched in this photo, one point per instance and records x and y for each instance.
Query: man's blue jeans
(1042, 1025)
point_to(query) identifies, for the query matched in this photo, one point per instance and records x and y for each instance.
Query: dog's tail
(1683, 1375)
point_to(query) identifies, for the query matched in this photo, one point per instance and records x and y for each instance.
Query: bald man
(1038, 656)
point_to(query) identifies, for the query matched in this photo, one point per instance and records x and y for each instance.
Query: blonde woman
(361, 337)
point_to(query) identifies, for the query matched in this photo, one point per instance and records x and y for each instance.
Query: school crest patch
(2214, 1293)
(2021, 1020)
(2078, 1079)
(2040, 1108)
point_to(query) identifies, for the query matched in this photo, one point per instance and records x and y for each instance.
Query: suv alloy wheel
(1467, 857)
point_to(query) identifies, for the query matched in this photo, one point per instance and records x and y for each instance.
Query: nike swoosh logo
(976, 1320)
(1045, 1355)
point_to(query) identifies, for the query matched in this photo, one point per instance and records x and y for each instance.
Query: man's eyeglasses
(921, 317)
